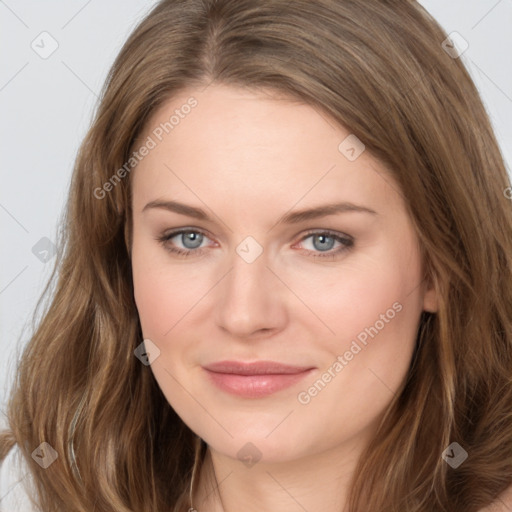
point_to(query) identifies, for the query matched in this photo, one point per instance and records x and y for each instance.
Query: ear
(430, 297)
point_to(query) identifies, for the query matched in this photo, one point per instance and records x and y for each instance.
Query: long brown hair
(378, 68)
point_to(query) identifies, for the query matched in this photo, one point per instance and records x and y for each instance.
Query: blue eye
(326, 241)
(192, 239)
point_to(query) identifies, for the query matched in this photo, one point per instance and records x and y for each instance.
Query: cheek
(374, 313)
(367, 361)
(164, 293)
(154, 298)
(163, 299)
(360, 295)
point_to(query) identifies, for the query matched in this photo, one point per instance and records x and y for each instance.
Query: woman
(286, 277)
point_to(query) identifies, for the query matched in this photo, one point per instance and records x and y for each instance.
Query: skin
(248, 158)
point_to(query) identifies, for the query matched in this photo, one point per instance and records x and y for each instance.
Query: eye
(322, 242)
(190, 238)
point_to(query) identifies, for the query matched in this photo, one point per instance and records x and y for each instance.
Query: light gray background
(47, 105)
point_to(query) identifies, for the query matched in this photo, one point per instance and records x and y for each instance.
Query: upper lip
(255, 368)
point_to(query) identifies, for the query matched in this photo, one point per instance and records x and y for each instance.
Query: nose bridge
(246, 276)
(248, 297)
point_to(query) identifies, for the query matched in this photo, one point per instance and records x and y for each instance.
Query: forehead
(251, 149)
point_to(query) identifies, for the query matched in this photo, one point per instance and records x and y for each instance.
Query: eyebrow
(289, 218)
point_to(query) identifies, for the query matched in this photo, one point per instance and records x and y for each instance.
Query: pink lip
(254, 380)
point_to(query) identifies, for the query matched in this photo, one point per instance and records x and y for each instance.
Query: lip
(256, 379)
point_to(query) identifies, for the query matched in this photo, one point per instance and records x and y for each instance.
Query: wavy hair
(378, 68)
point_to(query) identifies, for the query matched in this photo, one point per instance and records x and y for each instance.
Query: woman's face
(338, 295)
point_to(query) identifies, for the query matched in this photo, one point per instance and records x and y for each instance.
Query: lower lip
(255, 386)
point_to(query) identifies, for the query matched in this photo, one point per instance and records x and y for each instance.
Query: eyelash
(347, 243)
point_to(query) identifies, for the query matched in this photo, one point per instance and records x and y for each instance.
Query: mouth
(254, 380)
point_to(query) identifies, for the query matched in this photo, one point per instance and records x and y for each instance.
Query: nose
(251, 299)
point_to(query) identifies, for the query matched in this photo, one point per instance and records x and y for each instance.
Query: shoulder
(502, 504)
(14, 476)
